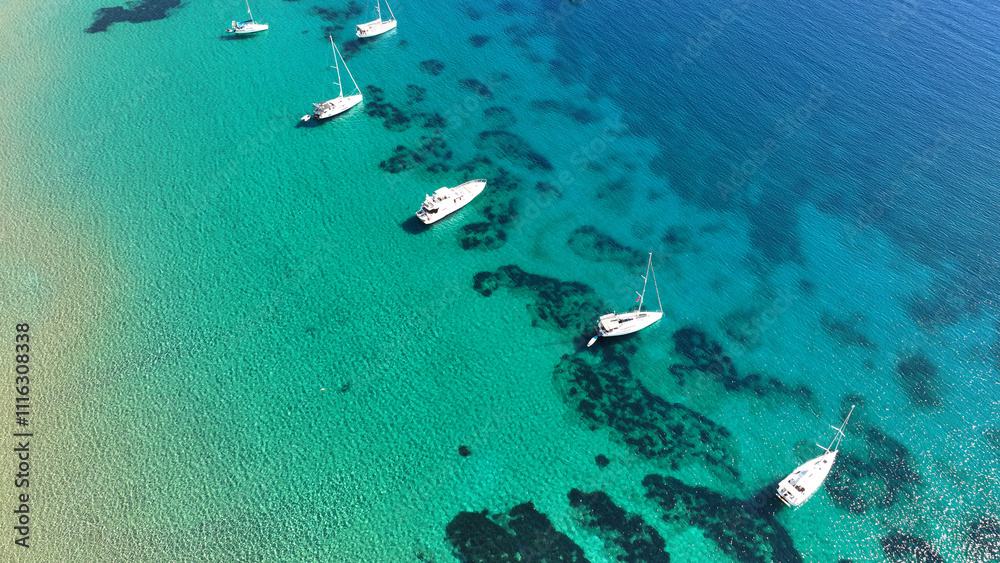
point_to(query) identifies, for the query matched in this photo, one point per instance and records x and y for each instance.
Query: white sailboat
(617, 324)
(377, 26)
(247, 26)
(341, 103)
(807, 478)
(446, 201)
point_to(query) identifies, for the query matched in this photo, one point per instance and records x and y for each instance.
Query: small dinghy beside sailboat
(807, 478)
(618, 324)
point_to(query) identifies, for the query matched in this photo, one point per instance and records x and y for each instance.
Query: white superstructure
(377, 26)
(341, 103)
(618, 324)
(247, 26)
(807, 478)
(445, 201)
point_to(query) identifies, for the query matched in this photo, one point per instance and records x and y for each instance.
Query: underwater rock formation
(904, 548)
(509, 7)
(580, 114)
(744, 326)
(774, 228)
(477, 87)
(982, 541)
(598, 383)
(498, 117)
(474, 13)
(499, 203)
(434, 121)
(707, 358)
(376, 105)
(618, 191)
(919, 377)
(740, 529)
(483, 235)
(432, 66)
(677, 238)
(992, 436)
(591, 244)
(433, 153)
(548, 189)
(556, 304)
(415, 94)
(943, 308)
(876, 473)
(846, 332)
(338, 19)
(522, 534)
(513, 148)
(490, 234)
(350, 48)
(132, 12)
(633, 540)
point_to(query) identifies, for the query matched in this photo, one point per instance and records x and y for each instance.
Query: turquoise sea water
(252, 351)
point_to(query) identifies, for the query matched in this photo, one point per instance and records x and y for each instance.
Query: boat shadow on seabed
(414, 226)
(237, 36)
(765, 502)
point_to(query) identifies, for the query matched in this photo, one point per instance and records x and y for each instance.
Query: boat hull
(626, 323)
(800, 485)
(247, 27)
(375, 27)
(336, 106)
(462, 195)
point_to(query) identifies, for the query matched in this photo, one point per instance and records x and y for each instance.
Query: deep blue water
(908, 111)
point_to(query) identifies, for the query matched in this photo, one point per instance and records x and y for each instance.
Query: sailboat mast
(645, 279)
(658, 302)
(378, 10)
(840, 431)
(335, 63)
(248, 10)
